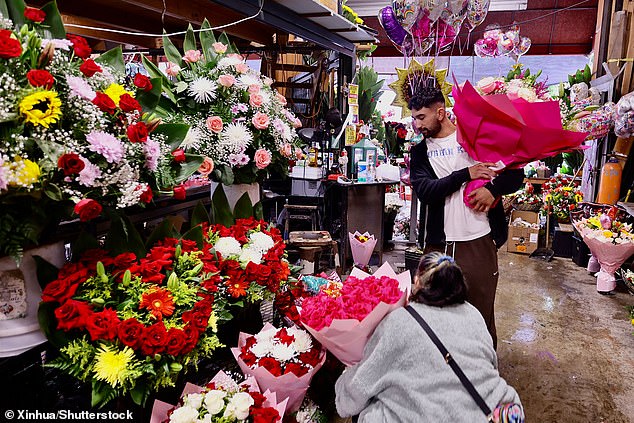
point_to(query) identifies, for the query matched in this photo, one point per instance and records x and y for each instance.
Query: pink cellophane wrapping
(610, 257)
(361, 251)
(161, 408)
(288, 386)
(346, 338)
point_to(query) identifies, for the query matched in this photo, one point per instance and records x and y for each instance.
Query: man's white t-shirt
(462, 223)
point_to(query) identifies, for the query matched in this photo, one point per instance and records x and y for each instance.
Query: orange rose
(206, 167)
(214, 124)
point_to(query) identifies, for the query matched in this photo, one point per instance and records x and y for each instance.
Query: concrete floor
(568, 351)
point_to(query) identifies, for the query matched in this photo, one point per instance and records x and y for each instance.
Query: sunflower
(111, 365)
(41, 108)
(237, 288)
(115, 91)
(158, 301)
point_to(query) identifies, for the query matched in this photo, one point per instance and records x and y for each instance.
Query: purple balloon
(394, 30)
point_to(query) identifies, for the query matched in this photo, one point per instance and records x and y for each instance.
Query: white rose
(228, 246)
(215, 401)
(184, 414)
(250, 254)
(194, 400)
(261, 241)
(238, 406)
(283, 352)
(262, 348)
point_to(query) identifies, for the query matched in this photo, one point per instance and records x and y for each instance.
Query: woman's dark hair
(426, 96)
(439, 281)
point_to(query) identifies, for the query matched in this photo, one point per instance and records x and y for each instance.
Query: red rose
(258, 399)
(124, 260)
(154, 340)
(272, 365)
(103, 325)
(191, 338)
(146, 197)
(137, 132)
(311, 357)
(296, 368)
(265, 415)
(80, 46)
(40, 78)
(89, 68)
(249, 358)
(179, 192)
(176, 341)
(90, 258)
(128, 104)
(130, 332)
(179, 155)
(143, 82)
(70, 163)
(9, 46)
(87, 209)
(33, 14)
(251, 341)
(72, 314)
(59, 290)
(197, 319)
(104, 103)
(283, 336)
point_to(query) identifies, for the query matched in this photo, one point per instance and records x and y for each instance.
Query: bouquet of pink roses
(281, 360)
(343, 316)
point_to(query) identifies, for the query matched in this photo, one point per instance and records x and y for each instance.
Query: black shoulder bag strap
(451, 362)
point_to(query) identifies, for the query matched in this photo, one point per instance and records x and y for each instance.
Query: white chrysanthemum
(194, 400)
(266, 335)
(236, 136)
(261, 241)
(226, 62)
(283, 352)
(228, 246)
(192, 139)
(249, 79)
(184, 414)
(250, 254)
(215, 401)
(262, 348)
(303, 342)
(202, 89)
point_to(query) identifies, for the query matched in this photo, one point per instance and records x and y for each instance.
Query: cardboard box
(523, 240)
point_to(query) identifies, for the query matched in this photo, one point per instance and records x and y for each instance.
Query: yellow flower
(26, 172)
(213, 322)
(41, 108)
(111, 365)
(359, 21)
(115, 91)
(607, 234)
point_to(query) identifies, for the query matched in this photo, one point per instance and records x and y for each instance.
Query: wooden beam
(146, 42)
(626, 86)
(616, 47)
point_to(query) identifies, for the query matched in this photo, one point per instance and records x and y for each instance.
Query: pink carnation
(260, 120)
(219, 47)
(226, 80)
(192, 56)
(262, 158)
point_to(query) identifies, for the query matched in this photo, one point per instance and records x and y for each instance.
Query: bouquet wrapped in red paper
(223, 401)
(281, 360)
(362, 246)
(343, 316)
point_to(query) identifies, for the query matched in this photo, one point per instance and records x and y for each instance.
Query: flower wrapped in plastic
(342, 317)
(222, 400)
(362, 246)
(281, 360)
(611, 243)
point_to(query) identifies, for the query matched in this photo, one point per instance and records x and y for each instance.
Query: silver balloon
(407, 12)
(476, 12)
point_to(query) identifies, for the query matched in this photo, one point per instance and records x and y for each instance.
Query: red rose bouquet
(223, 401)
(282, 360)
(130, 325)
(343, 316)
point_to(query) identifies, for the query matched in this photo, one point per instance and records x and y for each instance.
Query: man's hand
(481, 199)
(482, 171)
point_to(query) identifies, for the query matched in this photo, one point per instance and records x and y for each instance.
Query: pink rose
(268, 81)
(281, 99)
(242, 68)
(286, 150)
(298, 153)
(256, 100)
(234, 56)
(226, 80)
(254, 89)
(172, 69)
(260, 120)
(214, 124)
(297, 123)
(487, 85)
(262, 158)
(206, 167)
(219, 47)
(192, 56)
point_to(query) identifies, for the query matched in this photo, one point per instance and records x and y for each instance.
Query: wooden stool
(293, 212)
(312, 243)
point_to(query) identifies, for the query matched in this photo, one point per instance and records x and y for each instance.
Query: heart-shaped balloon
(422, 27)
(395, 32)
(457, 5)
(433, 8)
(445, 34)
(406, 12)
(476, 12)
(521, 48)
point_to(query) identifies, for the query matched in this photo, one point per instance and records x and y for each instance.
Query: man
(439, 171)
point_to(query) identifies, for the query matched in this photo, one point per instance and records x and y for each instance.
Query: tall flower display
(238, 121)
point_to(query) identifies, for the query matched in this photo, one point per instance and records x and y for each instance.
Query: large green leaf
(46, 271)
(114, 59)
(150, 99)
(16, 12)
(187, 169)
(243, 208)
(153, 70)
(54, 20)
(221, 211)
(164, 230)
(195, 234)
(258, 211)
(207, 39)
(172, 53)
(175, 133)
(84, 242)
(199, 215)
(227, 176)
(190, 39)
(123, 237)
(48, 324)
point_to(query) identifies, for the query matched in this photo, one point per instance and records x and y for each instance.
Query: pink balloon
(422, 27)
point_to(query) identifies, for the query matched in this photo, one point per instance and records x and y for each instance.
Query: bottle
(610, 185)
(362, 172)
(312, 155)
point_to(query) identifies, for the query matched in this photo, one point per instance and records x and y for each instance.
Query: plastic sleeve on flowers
(506, 182)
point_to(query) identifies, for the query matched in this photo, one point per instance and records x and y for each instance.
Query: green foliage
(149, 100)
(113, 58)
(199, 215)
(369, 92)
(123, 237)
(53, 22)
(172, 53)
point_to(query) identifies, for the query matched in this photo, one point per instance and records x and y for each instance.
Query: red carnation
(272, 365)
(70, 163)
(137, 132)
(154, 339)
(34, 14)
(146, 197)
(103, 325)
(176, 341)
(265, 415)
(87, 209)
(40, 78)
(296, 368)
(59, 290)
(89, 68)
(179, 192)
(179, 155)
(104, 103)
(130, 332)
(128, 104)
(72, 314)
(9, 46)
(80, 46)
(143, 82)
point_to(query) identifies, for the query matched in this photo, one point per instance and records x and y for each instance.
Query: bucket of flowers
(526, 199)
(561, 196)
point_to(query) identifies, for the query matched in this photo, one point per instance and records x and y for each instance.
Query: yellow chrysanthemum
(25, 172)
(111, 365)
(115, 91)
(41, 108)
(607, 234)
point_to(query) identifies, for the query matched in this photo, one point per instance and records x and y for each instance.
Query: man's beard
(433, 131)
